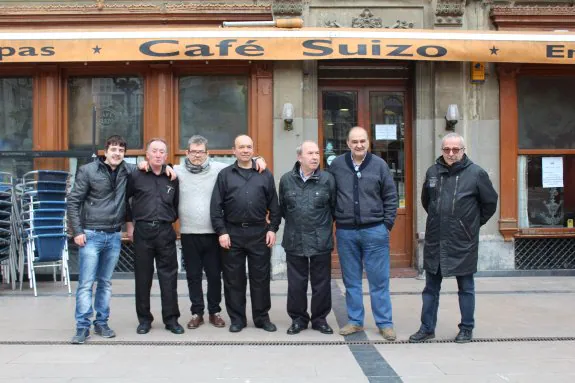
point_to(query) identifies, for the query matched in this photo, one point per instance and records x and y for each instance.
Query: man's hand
(80, 240)
(225, 241)
(261, 164)
(143, 165)
(130, 231)
(270, 238)
(170, 172)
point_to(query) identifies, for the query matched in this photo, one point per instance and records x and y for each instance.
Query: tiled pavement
(34, 333)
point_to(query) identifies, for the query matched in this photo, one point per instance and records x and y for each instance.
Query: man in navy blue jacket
(365, 212)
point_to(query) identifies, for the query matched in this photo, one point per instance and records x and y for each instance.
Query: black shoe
(464, 336)
(236, 327)
(323, 328)
(143, 328)
(295, 328)
(81, 335)
(421, 336)
(175, 328)
(268, 326)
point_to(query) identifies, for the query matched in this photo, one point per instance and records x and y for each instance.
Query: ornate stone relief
(368, 20)
(449, 13)
(531, 10)
(287, 7)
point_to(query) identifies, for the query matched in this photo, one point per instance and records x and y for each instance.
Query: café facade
(73, 73)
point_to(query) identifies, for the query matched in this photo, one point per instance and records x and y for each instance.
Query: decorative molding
(449, 13)
(151, 7)
(401, 24)
(532, 11)
(332, 24)
(287, 7)
(366, 19)
(533, 17)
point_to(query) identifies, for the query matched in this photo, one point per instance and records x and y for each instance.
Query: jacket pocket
(465, 229)
(320, 200)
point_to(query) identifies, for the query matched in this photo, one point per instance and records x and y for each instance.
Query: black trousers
(156, 242)
(318, 269)
(201, 254)
(247, 243)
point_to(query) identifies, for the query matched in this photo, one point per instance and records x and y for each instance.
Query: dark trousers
(201, 254)
(430, 295)
(318, 269)
(247, 243)
(156, 242)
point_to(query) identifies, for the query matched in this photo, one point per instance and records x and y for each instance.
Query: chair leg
(33, 280)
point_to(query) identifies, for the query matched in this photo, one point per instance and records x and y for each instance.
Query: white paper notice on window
(552, 172)
(385, 131)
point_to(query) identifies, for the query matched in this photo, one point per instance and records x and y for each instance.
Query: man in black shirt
(154, 207)
(240, 202)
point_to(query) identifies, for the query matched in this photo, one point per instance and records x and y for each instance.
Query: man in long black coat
(459, 198)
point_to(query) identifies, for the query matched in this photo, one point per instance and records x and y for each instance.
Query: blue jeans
(369, 247)
(430, 295)
(97, 260)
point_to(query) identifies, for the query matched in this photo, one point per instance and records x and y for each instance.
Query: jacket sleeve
(217, 206)
(425, 194)
(129, 194)
(332, 194)
(281, 197)
(388, 197)
(487, 197)
(273, 205)
(76, 199)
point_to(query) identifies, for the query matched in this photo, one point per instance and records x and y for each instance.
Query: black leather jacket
(307, 208)
(96, 202)
(458, 199)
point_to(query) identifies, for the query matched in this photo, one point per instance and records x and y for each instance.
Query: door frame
(363, 89)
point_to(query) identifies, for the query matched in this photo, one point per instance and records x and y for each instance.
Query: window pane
(550, 206)
(119, 105)
(339, 116)
(546, 113)
(16, 116)
(215, 107)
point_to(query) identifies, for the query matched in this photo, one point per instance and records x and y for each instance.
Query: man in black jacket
(241, 199)
(459, 198)
(307, 202)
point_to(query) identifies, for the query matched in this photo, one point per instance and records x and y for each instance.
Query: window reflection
(339, 116)
(16, 120)
(119, 103)
(215, 107)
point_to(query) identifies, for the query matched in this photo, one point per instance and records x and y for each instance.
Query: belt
(248, 224)
(155, 223)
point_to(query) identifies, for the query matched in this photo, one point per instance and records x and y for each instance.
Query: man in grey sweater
(365, 212)
(200, 246)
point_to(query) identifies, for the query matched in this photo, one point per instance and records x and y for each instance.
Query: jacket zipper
(464, 229)
(439, 198)
(454, 194)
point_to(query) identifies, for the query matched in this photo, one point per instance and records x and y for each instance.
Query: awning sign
(286, 44)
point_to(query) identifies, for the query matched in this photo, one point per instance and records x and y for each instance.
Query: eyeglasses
(196, 153)
(454, 150)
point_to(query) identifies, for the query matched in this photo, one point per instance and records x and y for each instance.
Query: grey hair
(453, 135)
(198, 140)
(299, 149)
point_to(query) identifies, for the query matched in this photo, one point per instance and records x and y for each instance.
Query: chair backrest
(49, 247)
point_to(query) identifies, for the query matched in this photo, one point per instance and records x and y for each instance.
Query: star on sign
(494, 50)
(97, 49)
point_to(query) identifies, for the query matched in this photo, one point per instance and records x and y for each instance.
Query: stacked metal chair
(8, 229)
(43, 199)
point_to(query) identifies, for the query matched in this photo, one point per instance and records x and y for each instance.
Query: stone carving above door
(367, 19)
(449, 13)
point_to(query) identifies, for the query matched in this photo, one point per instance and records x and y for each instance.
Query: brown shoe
(388, 333)
(217, 321)
(349, 329)
(196, 321)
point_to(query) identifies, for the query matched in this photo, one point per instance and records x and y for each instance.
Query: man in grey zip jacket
(459, 198)
(96, 213)
(365, 213)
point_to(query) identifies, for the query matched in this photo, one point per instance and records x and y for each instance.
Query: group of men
(230, 214)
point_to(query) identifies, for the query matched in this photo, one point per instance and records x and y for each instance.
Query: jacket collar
(456, 167)
(363, 165)
(296, 169)
(236, 167)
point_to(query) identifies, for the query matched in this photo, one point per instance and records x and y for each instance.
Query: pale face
(197, 154)
(309, 157)
(157, 153)
(243, 148)
(358, 142)
(452, 150)
(114, 155)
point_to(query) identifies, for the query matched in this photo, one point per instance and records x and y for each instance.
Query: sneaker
(388, 333)
(217, 321)
(104, 331)
(81, 335)
(421, 336)
(195, 322)
(349, 329)
(464, 336)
